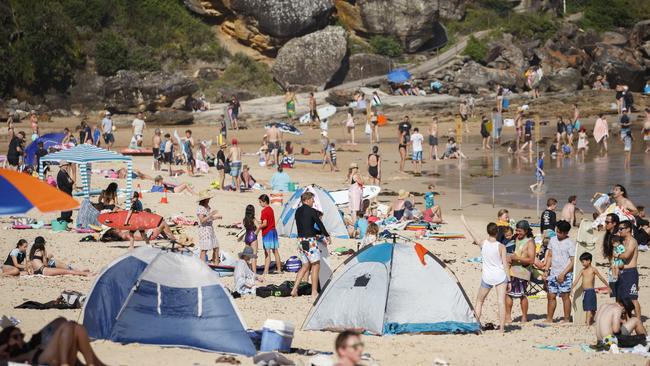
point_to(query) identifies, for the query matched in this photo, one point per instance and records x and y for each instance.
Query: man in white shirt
(107, 130)
(138, 128)
(416, 142)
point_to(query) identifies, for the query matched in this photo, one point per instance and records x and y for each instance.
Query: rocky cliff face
(412, 22)
(265, 25)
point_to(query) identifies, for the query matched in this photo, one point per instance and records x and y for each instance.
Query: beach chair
(536, 284)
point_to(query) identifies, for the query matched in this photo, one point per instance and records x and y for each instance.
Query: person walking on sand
(520, 261)
(463, 110)
(349, 126)
(314, 118)
(601, 132)
(207, 236)
(234, 155)
(416, 143)
(156, 143)
(138, 125)
(539, 174)
(250, 236)
(559, 271)
(235, 108)
(290, 102)
(374, 166)
(273, 139)
(494, 273)
(355, 189)
(311, 234)
(269, 235)
(107, 130)
(433, 139)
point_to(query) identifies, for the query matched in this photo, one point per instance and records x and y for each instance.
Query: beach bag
(293, 264)
(368, 130)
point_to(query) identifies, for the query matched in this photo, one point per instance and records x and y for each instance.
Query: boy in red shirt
(269, 235)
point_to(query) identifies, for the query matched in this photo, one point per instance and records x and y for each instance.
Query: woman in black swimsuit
(41, 264)
(15, 261)
(374, 166)
(61, 347)
(403, 142)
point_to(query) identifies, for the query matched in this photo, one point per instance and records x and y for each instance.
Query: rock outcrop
(132, 91)
(473, 76)
(562, 80)
(412, 22)
(171, 117)
(621, 66)
(365, 65)
(311, 61)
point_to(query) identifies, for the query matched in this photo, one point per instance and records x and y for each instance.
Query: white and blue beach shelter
(323, 202)
(393, 289)
(158, 297)
(84, 155)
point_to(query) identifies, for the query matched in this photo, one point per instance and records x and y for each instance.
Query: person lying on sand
(159, 186)
(40, 263)
(62, 348)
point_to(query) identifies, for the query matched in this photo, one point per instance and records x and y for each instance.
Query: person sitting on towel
(615, 321)
(245, 278)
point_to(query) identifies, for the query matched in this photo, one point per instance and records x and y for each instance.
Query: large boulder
(412, 22)
(206, 8)
(133, 91)
(365, 65)
(613, 38)
(474, 76)
(266, 25)
(504, 54)
(562, 80)
(86, 92)
(340, 97)
(620, 65)
(640, 33)
(312, 60)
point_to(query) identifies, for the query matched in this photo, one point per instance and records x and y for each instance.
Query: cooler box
(277, 335)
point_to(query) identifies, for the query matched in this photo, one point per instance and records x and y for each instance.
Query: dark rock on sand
(171, 117)
(132, 91)
(562, 80)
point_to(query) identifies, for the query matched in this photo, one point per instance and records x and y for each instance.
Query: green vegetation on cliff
(43, 42)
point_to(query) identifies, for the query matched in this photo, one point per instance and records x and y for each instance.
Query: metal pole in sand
(538, 130)
(459, 138)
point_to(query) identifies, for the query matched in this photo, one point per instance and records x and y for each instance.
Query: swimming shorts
(270, 240)
(554, 287)
(518, 287)
(627, 286)
(235, 168)
(433, 140)
(373, 171)
(156, 153)
(308, 250)
(108, 138)
(589, 301)
(417, 156)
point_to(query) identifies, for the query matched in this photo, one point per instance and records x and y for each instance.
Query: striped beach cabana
(84, 155)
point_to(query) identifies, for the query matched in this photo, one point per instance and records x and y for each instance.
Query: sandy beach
(517, 346)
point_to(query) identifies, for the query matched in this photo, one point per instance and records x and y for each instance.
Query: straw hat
(354, 165)
(324, 133)
(184, 241)
(402, 194)
(204, 195)
(248, 252)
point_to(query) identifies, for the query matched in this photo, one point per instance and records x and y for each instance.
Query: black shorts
(433, 140)
(373, 171)
(109, 138)
(314, 115)
(156, 154)
(528, 138)
(463, 117)
(167, 157)
(627, 286)
(13, 160)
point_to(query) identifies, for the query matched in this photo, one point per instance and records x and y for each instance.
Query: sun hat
(247, 252)
(324, 133)
(354, 165)
(402, 194)
(204, 195)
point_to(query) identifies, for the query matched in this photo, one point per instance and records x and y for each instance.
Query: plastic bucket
(59, 225)
(277, 335)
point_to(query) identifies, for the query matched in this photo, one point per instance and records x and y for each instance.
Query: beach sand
(517, 346)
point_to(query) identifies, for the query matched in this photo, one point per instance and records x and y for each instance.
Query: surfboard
(422, 225)
(341, 196)
(137, 152)
(434, 235)
(585, 243)
(324, 112)
(285, 127)
(138, 220)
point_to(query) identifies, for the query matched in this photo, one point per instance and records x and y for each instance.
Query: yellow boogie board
(585, 243)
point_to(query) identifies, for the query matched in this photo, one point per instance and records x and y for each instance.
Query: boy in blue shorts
(588, 276)
(559, 270)
(416, 142)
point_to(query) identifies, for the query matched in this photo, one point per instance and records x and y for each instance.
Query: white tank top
(493, 271)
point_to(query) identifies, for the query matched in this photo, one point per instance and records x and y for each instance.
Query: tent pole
(129, 184)
(40, 170)
(84, 180)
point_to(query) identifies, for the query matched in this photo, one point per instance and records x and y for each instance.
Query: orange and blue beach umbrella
(20, 193)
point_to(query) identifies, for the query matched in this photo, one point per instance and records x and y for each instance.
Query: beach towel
(600, 130)
(282, 290)
(183, 221)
